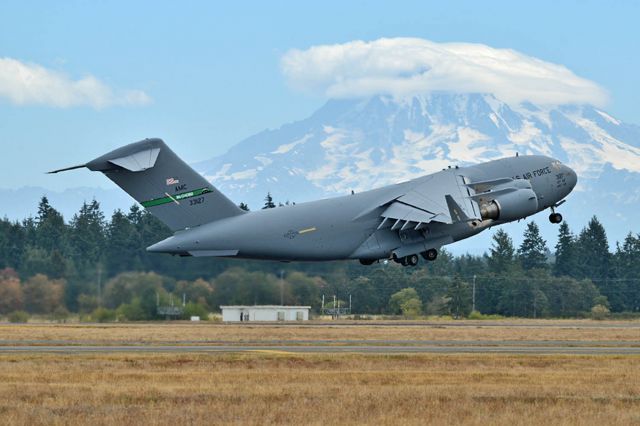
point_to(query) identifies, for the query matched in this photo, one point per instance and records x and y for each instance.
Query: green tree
(198, 291)
(411, 308)
(42, 295)
(568, 297)
(459, 298)
(627, 261)
(129, 286)
(304, 289)
(236, 286)
(87, 234)
(595, 260)
(502, 253)
(243, 206)
(522, 295)
(12, 244)
(366, 300)
(407, 298)
(268, 202)
(50, 229)
(122, 245)
(11, 296)
(532, 251)
(566, 253)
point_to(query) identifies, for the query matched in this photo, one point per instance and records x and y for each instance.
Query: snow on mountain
(360, 144)
(366, 143)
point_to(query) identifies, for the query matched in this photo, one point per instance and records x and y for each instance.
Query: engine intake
(512, 205)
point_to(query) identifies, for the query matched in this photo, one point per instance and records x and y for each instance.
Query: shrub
(132, 311)
(103, 315)
(195, 309)
(60, 314)
(476, 315)
(18, 317)
(599, 312)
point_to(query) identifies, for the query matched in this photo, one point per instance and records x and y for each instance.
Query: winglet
(67, 168)
(456, 212)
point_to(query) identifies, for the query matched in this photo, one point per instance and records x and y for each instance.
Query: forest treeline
(94, 264)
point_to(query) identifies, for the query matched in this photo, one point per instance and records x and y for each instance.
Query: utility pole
(99, 284)
(334, 307)
(474, 293)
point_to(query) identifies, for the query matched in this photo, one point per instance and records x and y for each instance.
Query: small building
(237, 313)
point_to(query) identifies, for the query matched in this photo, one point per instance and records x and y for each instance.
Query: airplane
(397, 222)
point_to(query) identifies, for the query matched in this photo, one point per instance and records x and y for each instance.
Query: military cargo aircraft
(397, 222)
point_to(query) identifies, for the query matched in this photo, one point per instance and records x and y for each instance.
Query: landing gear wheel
(367, 262)
(412, 260)
(555, 218)
(430, 255)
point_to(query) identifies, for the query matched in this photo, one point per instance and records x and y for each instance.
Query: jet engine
(511, 205)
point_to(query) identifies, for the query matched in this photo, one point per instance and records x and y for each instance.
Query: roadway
(526, 348)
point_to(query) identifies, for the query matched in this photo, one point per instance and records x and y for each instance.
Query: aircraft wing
(442, 197)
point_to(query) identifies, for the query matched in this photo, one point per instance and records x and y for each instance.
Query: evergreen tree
(594, 262)
(87, 234)
(532, 251)
(627, 261)
(243, 206)
(268, 202)
(459, 298)
(566, 253)
(12, 244)
(135, 215)
(123, 246)
(502, 254)
(50, 230)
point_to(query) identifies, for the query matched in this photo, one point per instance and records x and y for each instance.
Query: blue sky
(212, 72)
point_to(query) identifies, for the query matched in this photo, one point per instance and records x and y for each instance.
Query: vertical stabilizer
(164, 184)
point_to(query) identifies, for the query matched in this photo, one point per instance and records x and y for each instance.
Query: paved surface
(371, 323)
(371, 349)
(323, 342)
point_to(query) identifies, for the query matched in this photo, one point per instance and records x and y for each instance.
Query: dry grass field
(264, 388)
(268, 387)
(186, 333)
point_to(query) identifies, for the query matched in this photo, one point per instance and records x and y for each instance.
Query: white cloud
(406, 66)
(33, 84)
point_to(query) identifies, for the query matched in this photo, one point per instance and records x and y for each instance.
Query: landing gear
(555, 218)
(411, 260)
(430, 254)
(367, 262)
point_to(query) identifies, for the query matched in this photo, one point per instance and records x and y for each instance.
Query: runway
(496, 348)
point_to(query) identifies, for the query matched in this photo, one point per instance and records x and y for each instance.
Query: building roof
(263, 307)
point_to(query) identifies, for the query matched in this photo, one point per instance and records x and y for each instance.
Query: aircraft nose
(572, 177)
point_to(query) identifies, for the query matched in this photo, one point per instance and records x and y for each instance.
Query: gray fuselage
(348, 227)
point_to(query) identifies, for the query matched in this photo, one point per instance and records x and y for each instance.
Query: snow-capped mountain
(365, 143)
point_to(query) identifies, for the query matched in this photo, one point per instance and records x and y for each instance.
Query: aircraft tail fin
(164, 184)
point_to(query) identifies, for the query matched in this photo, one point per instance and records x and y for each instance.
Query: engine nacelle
(511, 205)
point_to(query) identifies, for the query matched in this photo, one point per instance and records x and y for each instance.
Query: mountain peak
(363, 143)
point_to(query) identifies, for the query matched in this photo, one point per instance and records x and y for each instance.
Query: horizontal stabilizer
(138, 161)
(67, 169)
(163, 184)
